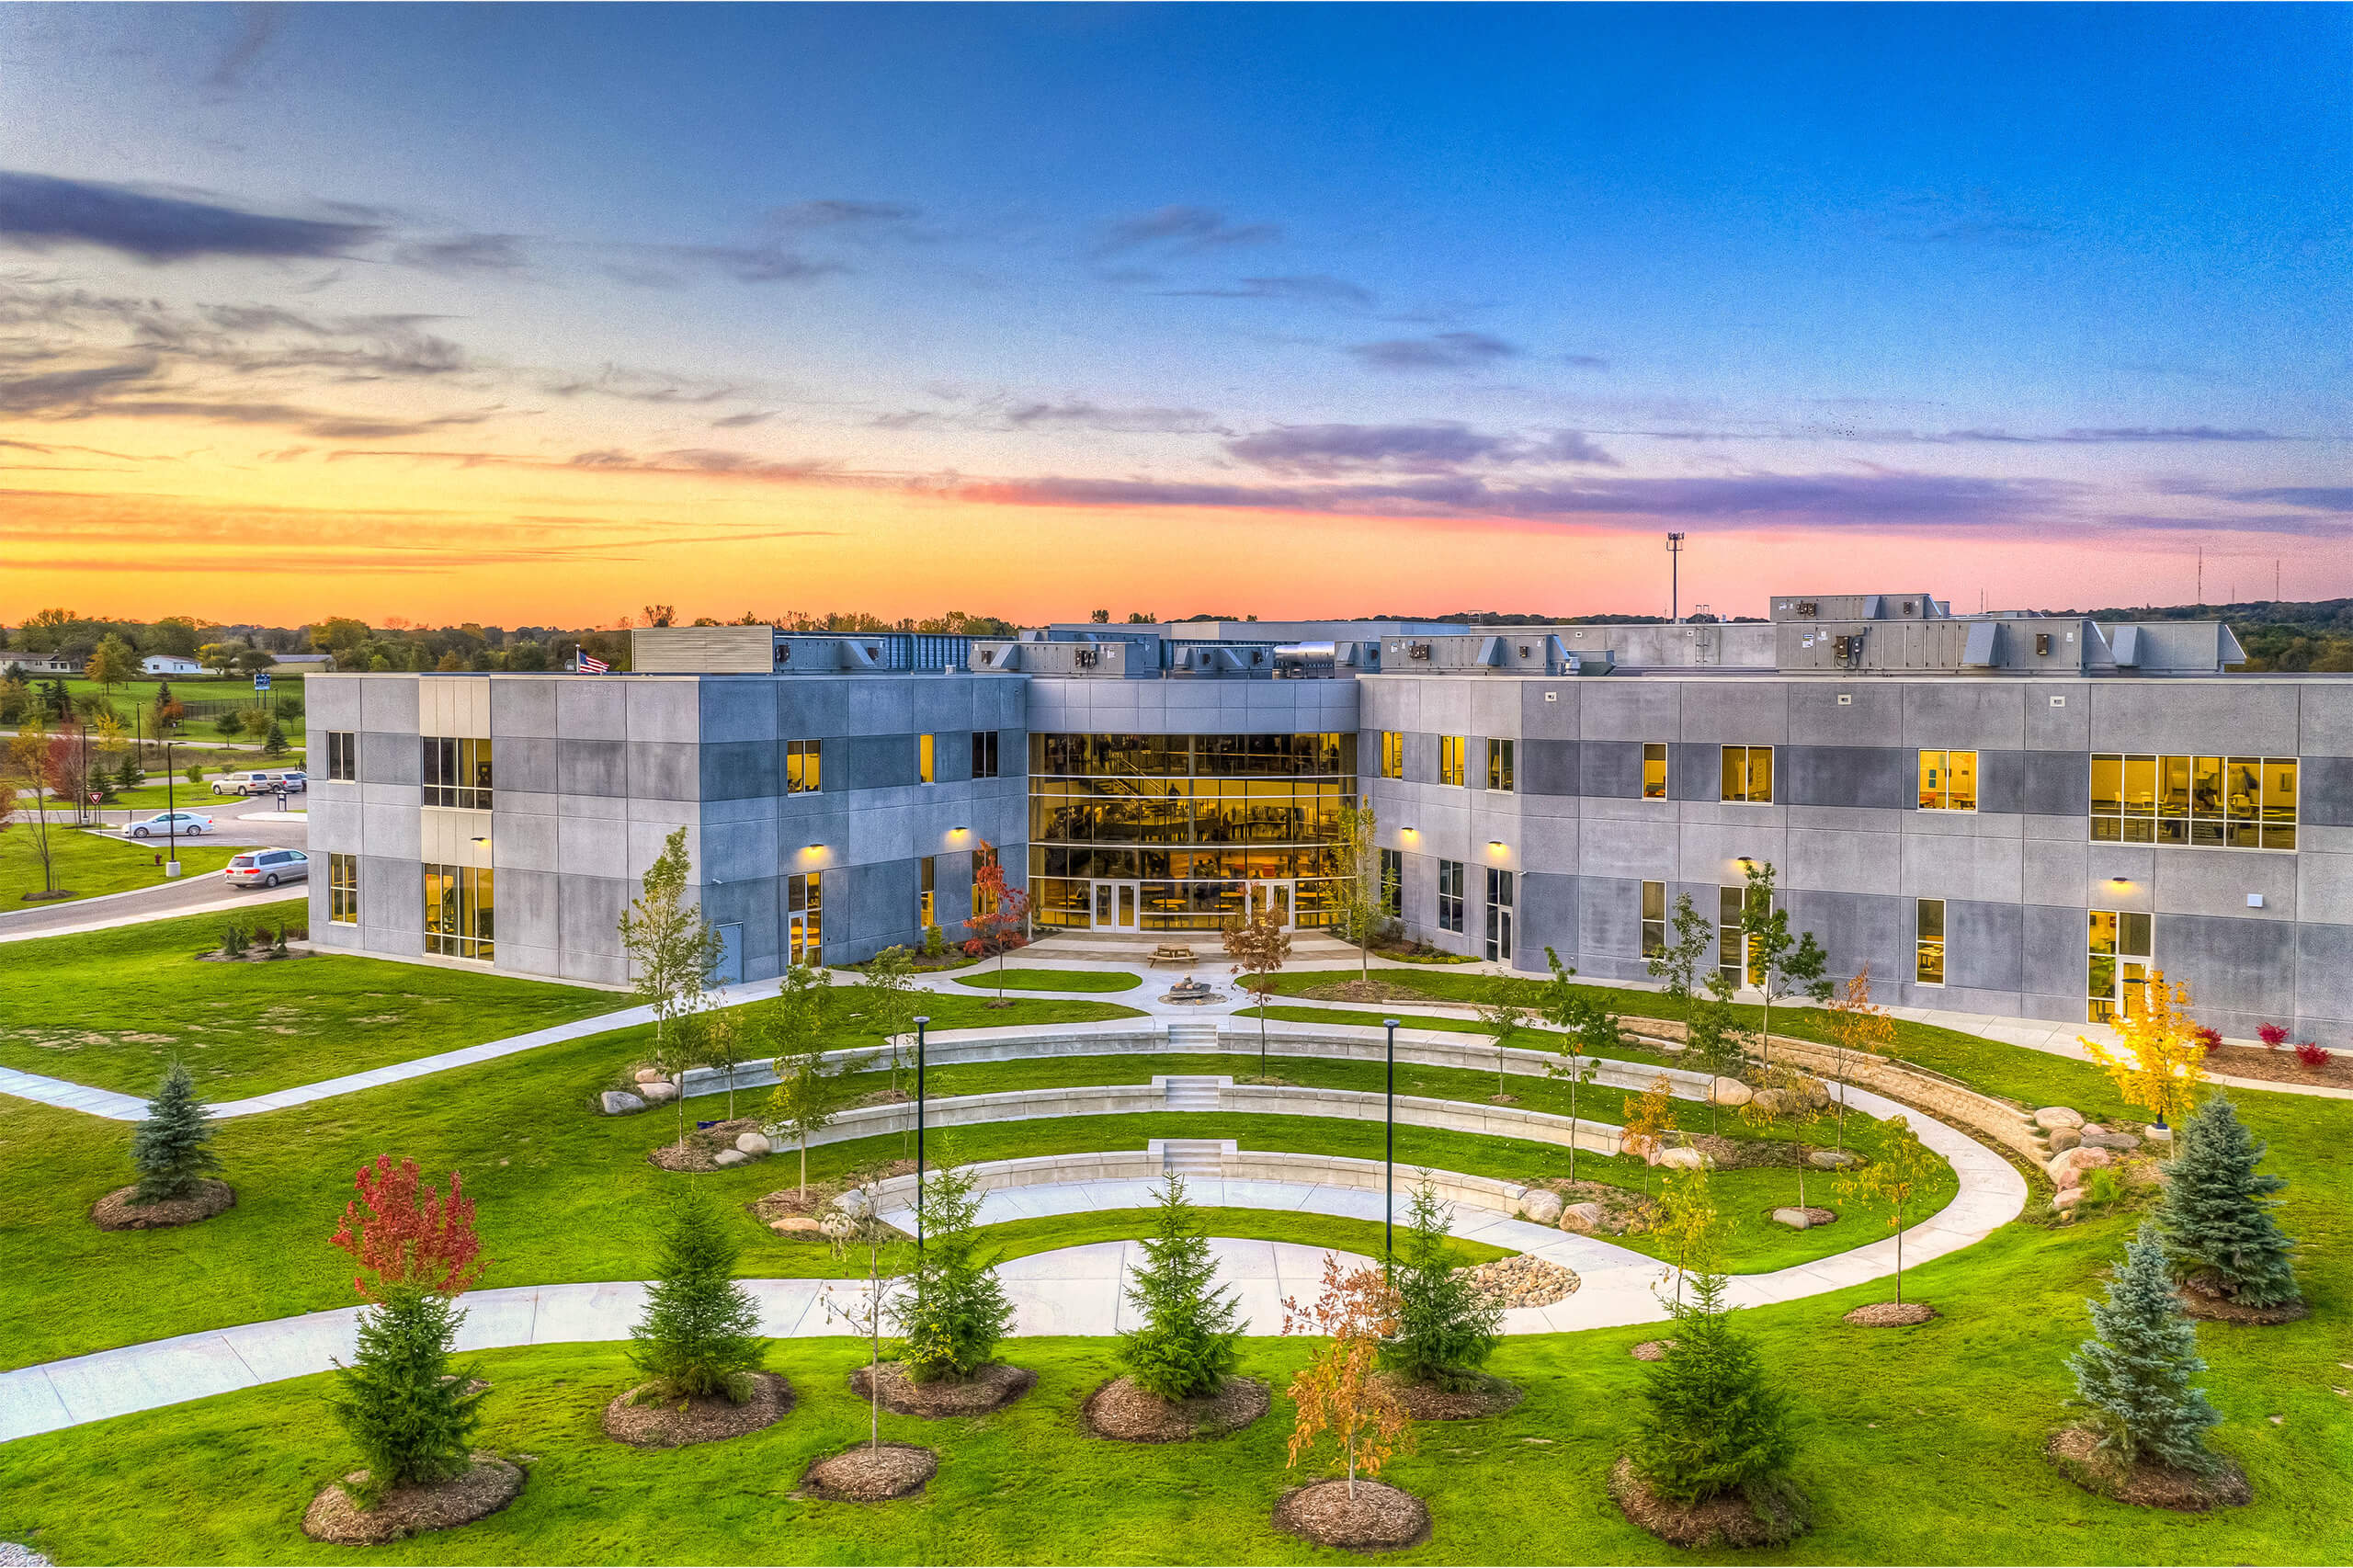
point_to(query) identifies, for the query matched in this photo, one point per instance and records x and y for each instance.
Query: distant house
(32, 666)
(170, 665)
(303, 664)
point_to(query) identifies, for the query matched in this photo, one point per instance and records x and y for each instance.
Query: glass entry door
(1115, 906)
(1271, 896)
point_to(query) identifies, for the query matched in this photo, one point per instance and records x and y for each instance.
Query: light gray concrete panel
(526, 841)
(524, 766)
(664, 770)
(664, 708)
(1990, 870)
(1965, 715)
(387, 703)
(1984, 946)
(592, 848)
(1844, 862)
(337, 825)
(1648, 850)
(389, 758)
(1548, 709)
(1494, 707)
(591, 808)
(1842, 714)
(592, 768)
(593, 707)
(2230, 717)
(1543, 844)
(2121, 876)
(2054, 872)
(2057, 784)
(391, 831)
(391, 905)
(522, 708)
(2325, 711)
(1881, 777)
(1712, 851)
(334, 701)
(2323, 998)
(589, 910)
(2248, 966)
(2324, 791)
(2220, 882)
(1849, 819)
(525, 905)
(2324, 887)
(1735, 712)
(1631, 710)
(2051, 951)
(2058, 715)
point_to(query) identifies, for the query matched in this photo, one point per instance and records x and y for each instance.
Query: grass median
(87, 864)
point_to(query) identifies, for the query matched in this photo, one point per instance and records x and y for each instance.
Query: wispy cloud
(41, 211)
(459, 255)
(1179, 230)
(630, 384)
(1312, 289)
(1442, 351)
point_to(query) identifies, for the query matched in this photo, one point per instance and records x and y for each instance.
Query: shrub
(696, 1338)
(934, 942)
(2313, 1054)
(2217, 1209)
(2209, 1038)
(233, 942)
(173, 1145)
(1186, 1344)
(193, 773)
(1712, 1422)
(2272, 1034)
(1447, 1326)
(959, 1313)
(2135, 1371)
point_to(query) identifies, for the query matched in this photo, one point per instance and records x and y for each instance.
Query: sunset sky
(533, 315)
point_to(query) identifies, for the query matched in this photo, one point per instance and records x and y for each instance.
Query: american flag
(587, 663)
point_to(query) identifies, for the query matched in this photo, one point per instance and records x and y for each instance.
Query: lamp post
(1389, 1156)
(921, 1024)
(171, 817)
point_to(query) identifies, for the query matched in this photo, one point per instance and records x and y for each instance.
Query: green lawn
(141, 694)
(1019, 1238)
(1916, 1446)
(1050, 980)
(88, 864)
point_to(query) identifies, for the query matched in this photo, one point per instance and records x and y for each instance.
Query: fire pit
(1190, 991)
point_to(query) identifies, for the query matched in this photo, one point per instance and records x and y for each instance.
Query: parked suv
(268, 868)
(258, 782)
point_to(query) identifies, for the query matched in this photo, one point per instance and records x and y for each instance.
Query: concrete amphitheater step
(1191, 1093)
(1193, 1036)
(1193, 1156)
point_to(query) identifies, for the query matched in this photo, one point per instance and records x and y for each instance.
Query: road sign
(261, 682)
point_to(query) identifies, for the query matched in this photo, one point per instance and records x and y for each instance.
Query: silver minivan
(268, 868)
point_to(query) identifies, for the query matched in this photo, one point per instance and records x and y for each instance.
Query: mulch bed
(1766, 1516)
(993, 1387)
(868, 1474)
(1651, 1350)
(2078, 1454)
(1891, 1315)
(1125, 1414)
(2200, 1300)
(1378, 1518)
(115, 1211)
(485, 1488)
(1364, 991)
(701, 1143)
(2279, 1066)
(669, 1424)
(1482, 1397)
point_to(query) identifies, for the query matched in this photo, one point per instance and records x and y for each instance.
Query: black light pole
(171, 818)
(1389, 1156)
(921, 1022)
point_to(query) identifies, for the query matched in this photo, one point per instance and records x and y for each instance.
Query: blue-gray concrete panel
(2248, 966)
(736, 709)
(2323, 997)
(1855, 929)
(740, 770)
(1984, 945)
(2324, 791)
(2058, 784)
(2001, 779)
(592, 768)
(1694, 771)
(811, 708)
(664, 770)
(2052, 946)
(1610, 919)
(1546, 768)
(1546, 916)
(1611, 769)
(1877, 777)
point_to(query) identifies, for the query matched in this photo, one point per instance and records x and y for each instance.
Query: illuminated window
(1393, 883)
(983, 900)
(1948, 780)
(1450, 750)
(458, 910)
(1748, 774)
(1731, 932)
(1654, 770)
(343, 757)
(1449, 895)
(984, 754)
(455, 772)
(2201, 802)
(1654, 919)
(925, 906)
(343, 889)
(1928, 940)
(1499, 766)
(800, 771)
(804, 917)
(926, 760)
(2117, 967)
(1393, 753)
(1499, 911)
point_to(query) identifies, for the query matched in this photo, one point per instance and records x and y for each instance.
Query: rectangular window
(1393, 753)
(1449, 895)
(1929, 939)
(1499, 911)
(1654, 919)
(804, 917)
(926, 760)
(983, 901)
(2201, 802)
(800, 771)
(1654, 770)
(343, 889)
(1450, 750)
(343, 757)
(1499, 766)
(1749, 775)
(2117, 964)
(984, 754)
(455, 772)
(924, 904)
(1392, 882)
(1948, 780)
(458, 910)
(1729, 932)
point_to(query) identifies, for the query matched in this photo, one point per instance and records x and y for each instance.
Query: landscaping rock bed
(1743, 1519)
(1524, 1280)
(993, 1387)
(1651, 1350)
(1380, 1517)
(1125, 1414)
(488, 1485)
(116, 1211)
(1891, 1315)
(16, 1554)
(867, 1474)
(2199, 1298)
(1592, 1208)
(1481, 1397)
(672, 1424)
(2078, 1455)
(703, 1147)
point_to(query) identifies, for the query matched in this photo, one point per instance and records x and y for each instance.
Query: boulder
(1686, 1160)
(2063, 1139)
(2091, 1129)
(651, 1075)
(2121, 1142)
(754, 1143)
(1795, 1219)
(1540, 1207)
(793, 1223)
(2052, 1117)
(1832, 1159)
(2066, 1197)
(1772, 1102)
(618, 1103)
(1730, 1091)
(2066, 1169)
(1586, 1218)
(730, 1158)
(659, 1093)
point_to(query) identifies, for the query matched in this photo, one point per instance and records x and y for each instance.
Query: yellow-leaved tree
(1336, 1393)
(2162, 1059)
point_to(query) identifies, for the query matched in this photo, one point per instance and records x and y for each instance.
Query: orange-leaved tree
(999, 912)
(1648, 1121)
(1258, 945)
(1337, 1394)
(2164, 1059)
(1859, 1028)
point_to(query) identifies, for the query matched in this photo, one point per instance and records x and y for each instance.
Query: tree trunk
(1573, 1116)
(1262, 1035)
(804, 1164)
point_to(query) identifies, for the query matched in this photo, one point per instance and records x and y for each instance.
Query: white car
(268, 868)
(186, 824)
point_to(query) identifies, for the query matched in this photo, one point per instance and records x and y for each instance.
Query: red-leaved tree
(1000, 913)
(1338, 1395)
(406, 1241)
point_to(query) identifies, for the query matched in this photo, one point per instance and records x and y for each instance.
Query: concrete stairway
(1191, 1093)
(1193, 1036)
(1193, 1156)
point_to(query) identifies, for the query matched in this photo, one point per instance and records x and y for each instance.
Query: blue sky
(1915, 284)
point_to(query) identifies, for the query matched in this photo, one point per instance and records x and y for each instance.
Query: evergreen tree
(412, 1416)
(2136, 1368)
(697, 1339)
(1447, 1326)
(951, 1329)
(1713, 1423)
(2217, 1209)
(173, 1146)
(273, 740)
(1186, 1345)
